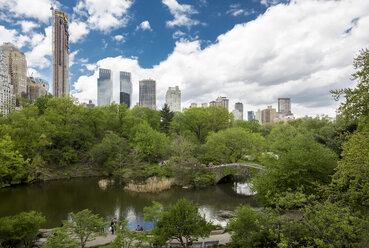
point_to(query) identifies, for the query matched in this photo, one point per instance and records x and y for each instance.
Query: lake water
(56, 199)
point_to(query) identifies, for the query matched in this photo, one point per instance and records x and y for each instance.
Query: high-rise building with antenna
(60, 53)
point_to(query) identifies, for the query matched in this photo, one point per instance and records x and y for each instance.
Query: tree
(356, 104)
(250, 228)
(350, 183)
(182, 222)
(253, 125)
(231, 145)
(150, 142)
(150, 115)
(305, 165)
(20, 228)
(85, 226)
(13, 167)
(60, 238)
(166, 118)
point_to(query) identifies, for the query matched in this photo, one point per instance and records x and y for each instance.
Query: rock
(226, 214)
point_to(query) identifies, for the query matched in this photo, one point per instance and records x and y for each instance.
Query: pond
(56, 199)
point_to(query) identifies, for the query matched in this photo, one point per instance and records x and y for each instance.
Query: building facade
(104, 87)
(17, 68)
(125, 88)
(147, 93)
(284, 106)
(7, 98)
(238, 106)
(193, 105)
(204, 104)
(268, 115)
(250, 115)
(37, 87)
(173, 99)
(60, 53)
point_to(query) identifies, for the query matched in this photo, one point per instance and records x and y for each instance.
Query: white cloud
(37, 9)
(300, 50)
(178, 34)
(78, 31)
(42, 49)
(119, 38)
(27, 26)
(268, 3)
(72, 57)
(182, 14)
(11, 35)
(236, 10)
(33, 72)
(145, 25)
(104, 16)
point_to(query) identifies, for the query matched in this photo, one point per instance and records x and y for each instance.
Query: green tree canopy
(166, 117)
(182, 221)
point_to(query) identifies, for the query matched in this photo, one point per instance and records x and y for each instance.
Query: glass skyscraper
(125, 88)
(104, 87)
(147, 93)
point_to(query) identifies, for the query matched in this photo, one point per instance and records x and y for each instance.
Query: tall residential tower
(147, 93)
(60, 53)
(125, 88)
(17, 67)
(173, 99)
(104, 87)
(7, 99)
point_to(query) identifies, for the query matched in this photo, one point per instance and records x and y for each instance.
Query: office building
(7, 98)
(284, 106)
(250, 115)
(204, 105)
(238, 106)
(173, 99)
(37, 87)
(90, 104)
(125, 88)
(258, 116)
(17, 68)
(220, 101)
(268, 115)
(60, 53)
(104, 87)
(237, 114)
(147, 93)
(193, 105)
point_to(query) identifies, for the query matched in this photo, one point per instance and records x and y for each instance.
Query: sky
(251, 51)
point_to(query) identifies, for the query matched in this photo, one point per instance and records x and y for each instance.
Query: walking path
(224, 238)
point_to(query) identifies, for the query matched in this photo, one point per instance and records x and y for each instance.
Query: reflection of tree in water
(58, 198)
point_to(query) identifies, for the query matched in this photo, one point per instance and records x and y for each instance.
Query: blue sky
(252, 51)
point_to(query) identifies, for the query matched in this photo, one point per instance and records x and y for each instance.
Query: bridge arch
(222, 172)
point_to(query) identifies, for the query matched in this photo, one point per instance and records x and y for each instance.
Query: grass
(152, 185)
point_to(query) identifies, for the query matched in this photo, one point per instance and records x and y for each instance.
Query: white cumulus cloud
(78, 31)
(145, 25)
(181, 13)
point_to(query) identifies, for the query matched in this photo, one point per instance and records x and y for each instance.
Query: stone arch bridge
(235, 169)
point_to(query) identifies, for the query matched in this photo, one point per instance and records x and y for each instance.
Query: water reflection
(243, 188)
(57, 199)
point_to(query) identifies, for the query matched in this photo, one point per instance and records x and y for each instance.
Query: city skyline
(259, 55)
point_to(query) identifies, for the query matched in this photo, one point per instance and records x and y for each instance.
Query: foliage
(350, 183)
(166, 118)
(356, 104)
(151, 143)
(153, 212)
(182, 222)
(231, 145)
(250, 228)
(60, 239)
(152, 117)
(20, 228)
(13, 167)
(85, 226)
(253, 125)
(305, 165)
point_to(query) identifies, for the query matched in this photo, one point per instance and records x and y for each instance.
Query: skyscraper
(125, 88)
(17, 67)
(147, 93)
(173, 99)
(284, 106)
(220, 101)
(268, 115)
(60, 53)
(104, 87)
(250, 115)
(7, 98)
(239, 107)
